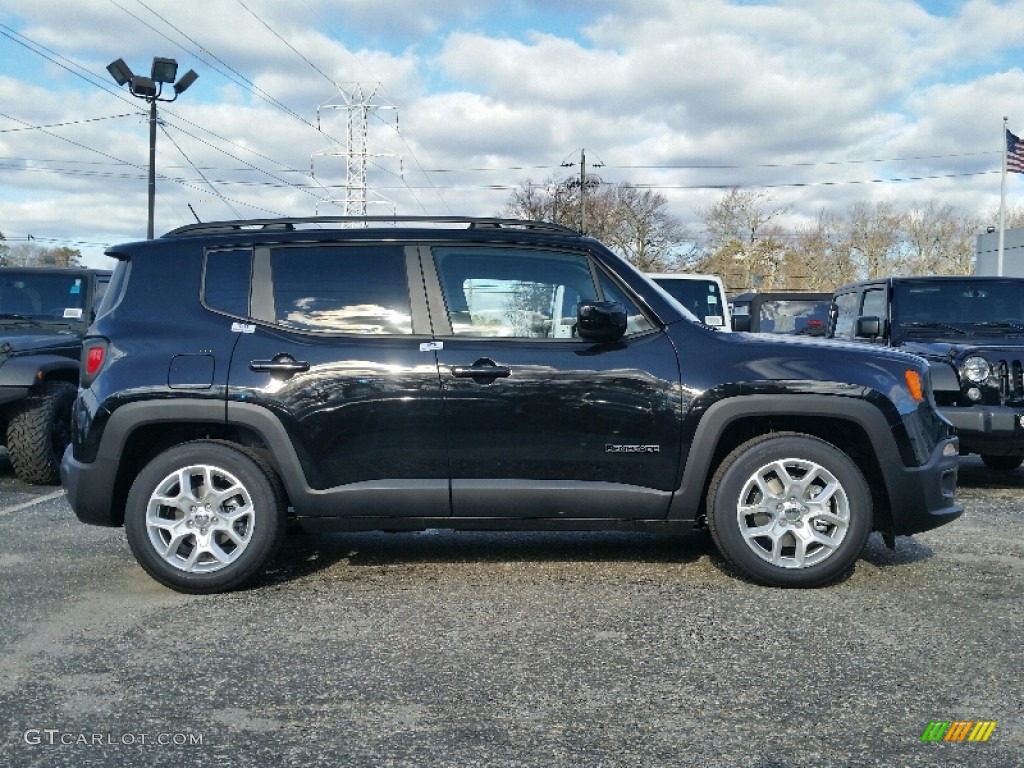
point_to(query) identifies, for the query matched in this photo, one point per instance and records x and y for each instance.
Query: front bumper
(924, 497)
(990, 429)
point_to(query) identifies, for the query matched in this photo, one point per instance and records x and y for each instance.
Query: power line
(273, 31)
(212, 187)
(69, 122)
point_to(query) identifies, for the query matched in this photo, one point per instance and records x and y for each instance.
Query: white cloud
(814, 88)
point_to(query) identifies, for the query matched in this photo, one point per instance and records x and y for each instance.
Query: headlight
(977, 369)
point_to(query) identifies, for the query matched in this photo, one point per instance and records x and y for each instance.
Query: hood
(950, 350)
(17, 340)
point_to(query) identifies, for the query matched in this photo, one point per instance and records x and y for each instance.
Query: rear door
(541, 423)
(338, 351)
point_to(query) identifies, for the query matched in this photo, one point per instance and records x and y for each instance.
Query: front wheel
(204, 517)
(1002, 463)
(789, 510)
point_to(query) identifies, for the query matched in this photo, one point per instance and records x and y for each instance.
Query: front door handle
(485, 369)
(279, 364)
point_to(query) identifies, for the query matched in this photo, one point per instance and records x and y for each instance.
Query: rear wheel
(39, 431)
(789, 510)
(1003, 463)
(204, 517)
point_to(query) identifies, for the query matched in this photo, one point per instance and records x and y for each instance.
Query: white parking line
(27, 504)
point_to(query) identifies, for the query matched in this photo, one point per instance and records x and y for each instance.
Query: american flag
(1014, 154)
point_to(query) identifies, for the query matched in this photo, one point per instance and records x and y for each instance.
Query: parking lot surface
(488, 649)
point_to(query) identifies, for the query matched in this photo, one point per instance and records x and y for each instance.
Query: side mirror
(600, 320)
(741, 323)
(868, 327)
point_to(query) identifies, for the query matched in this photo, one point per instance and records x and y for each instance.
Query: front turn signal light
(913, 379)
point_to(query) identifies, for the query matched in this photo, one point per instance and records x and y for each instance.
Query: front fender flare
(698, 468)
(24, 371)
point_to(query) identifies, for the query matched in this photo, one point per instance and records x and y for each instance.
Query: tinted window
(342, 289)
(42, 294)
(875, 304)
(701, 297)
(507, 292)
(226, 284)
(846, 314)
(635, 321)
(115, 290)
(800, 316)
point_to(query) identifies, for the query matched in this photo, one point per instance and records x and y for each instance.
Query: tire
(1002, 463)
(778, 533)
(217, 533)
(38, 432)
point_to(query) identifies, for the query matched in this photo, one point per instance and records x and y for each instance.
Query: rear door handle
(481, 371)
(279, 364)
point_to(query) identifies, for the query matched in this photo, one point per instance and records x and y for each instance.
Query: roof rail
(291, 223)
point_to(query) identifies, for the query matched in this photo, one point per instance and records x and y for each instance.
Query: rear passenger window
(341, 289)
(226, 281)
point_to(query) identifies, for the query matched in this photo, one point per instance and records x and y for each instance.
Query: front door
(541, 423)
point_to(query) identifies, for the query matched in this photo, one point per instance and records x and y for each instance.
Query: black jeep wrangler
(971, 330)
(44, 313)
(475, 374)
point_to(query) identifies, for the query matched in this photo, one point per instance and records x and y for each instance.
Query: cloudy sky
(819, 104)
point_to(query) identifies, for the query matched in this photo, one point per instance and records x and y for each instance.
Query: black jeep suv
(44, 313)
(971, 330)
(474, 374)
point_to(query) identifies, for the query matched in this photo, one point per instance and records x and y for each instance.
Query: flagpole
(1002, 207)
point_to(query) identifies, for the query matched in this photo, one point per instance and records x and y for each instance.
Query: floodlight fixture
(186, 80)
(164, 70)
(143, 86)
(119, 71)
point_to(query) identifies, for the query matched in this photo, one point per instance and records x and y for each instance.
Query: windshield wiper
(932, 326)
(999, 324)
(18, 317)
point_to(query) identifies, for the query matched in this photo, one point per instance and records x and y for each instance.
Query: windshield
(955, 308)
(41, 295)
(702, 297)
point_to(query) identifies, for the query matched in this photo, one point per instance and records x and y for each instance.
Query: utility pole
(583, 182)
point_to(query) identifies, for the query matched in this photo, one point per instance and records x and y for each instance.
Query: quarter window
(342, 289)
(227, 280)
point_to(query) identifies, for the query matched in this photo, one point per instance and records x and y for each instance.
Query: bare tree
(744, 243)
(874, 238)
(819, 259)
(937, 240)
(632, 222)
(32, 255)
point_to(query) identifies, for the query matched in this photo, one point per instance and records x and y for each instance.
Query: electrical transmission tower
(358, 103)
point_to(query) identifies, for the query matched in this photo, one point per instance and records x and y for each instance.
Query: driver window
(513, 293)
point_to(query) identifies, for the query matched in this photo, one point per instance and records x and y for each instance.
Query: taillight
(94, 360)
(94, 354)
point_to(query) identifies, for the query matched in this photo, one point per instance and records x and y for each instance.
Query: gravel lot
(455, 649)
